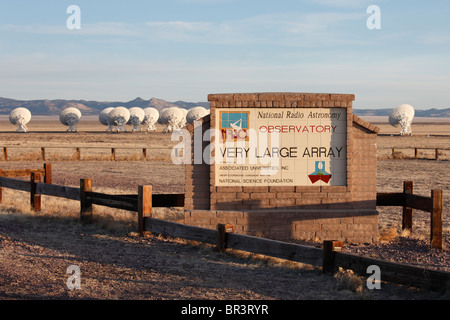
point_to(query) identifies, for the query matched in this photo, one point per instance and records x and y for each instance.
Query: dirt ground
(34, 262)
(116, 263)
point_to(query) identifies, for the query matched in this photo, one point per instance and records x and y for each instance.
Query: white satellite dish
(196, 113)
(70, 117)
(402, 116)
(20, 117)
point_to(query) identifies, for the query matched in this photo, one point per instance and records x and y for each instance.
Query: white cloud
(94, 29)
(293, 29)
(345, 3)
(434, 39)
(211, 2)
(289, 29)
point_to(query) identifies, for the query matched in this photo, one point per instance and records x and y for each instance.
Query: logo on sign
(234, 126)
(320, 173)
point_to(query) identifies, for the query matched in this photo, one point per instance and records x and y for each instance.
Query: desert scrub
(388, 235)
(16, 205)
(348, 280)
(110, 219)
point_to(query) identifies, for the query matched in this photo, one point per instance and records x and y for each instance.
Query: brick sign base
(318, 212)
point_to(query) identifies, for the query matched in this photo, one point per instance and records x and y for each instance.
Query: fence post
(223, 229)
(329, 247)
(113, 154)
(86, 209)
(35, 199)
(416, 153)
(436, 154)
(144, 153)
(1, 189)
(43, 153)
(48, 173)
(407, 212)
(78, 153)
(5, 153)
(436, 219)
(144, 206)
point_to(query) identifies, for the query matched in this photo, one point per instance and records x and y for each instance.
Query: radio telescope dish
(70, 117)
(137, 115)
(402, 116)
(20, 117)
(151, 117)
(104, 119)
(119, 116)
(196, 113)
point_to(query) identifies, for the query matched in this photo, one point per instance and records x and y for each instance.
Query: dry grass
(348, 280)
(124, 175)
(116, 221)
(388, 235)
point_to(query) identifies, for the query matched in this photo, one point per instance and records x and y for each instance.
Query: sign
(281, 147)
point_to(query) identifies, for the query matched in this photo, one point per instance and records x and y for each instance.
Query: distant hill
(54, 107)
(430, 113)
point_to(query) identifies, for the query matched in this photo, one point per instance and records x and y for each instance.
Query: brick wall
(351, 226)
(197, 175)
(300, 212)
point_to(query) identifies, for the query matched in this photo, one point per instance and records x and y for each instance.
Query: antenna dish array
(104, 119)
(196, 113)
(20, 117)
(151, 117)
(119, 116)
(402, 116)
(70, 117)
(171, 117)
(137, 115)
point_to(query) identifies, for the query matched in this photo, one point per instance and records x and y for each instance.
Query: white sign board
(281, 147)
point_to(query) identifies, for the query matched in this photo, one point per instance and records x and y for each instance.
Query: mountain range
(54, 107)
(429, 113)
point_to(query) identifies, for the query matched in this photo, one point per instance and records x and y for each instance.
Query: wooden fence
(142, 202)
(144, 151)
(435, 151)
(389, 271)
(330, 257)
(410, 201)
(77, 151)
(45, 172)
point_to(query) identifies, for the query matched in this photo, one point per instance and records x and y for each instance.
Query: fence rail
(11, 183)
(84, 194)
(393, 272)
(77, 156)
(77, 151)
(58, 191)
(410, 201)
(436, 151)
(113, 201)
(330, 257)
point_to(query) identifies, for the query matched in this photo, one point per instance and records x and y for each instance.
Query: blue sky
(186, 49)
